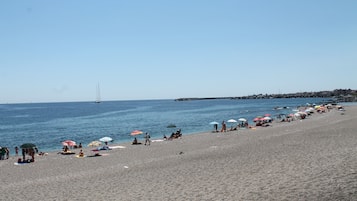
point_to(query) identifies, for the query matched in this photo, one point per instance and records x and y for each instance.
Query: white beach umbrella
(267, 118)
(232, 121)
(94, 144)
(242, 119)
(106, 139)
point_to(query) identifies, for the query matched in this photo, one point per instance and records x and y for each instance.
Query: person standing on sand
(147, 139)
(7, 152)
(224, 127)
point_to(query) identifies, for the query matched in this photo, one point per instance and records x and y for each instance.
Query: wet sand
(312, 159)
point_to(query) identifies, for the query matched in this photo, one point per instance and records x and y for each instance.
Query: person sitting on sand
(65, 149)
(246, 125)
(136, 141)
(178, 132)
(172, 136)
(106, 147)
(81, 154)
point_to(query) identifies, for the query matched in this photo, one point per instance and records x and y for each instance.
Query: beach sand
(312, 159)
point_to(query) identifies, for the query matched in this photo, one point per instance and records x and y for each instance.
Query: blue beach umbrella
(214, 123)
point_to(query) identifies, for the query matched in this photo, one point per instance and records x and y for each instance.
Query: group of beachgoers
(242, 124)
(66, 150)
(174, 135)
(28, 152)
(5, 154)
(266, 120)
(147, 140)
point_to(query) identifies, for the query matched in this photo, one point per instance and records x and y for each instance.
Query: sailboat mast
(98, 94)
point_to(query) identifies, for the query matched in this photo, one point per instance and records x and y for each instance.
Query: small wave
(21, 116)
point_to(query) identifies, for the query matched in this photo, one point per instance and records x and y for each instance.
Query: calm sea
(48, 124)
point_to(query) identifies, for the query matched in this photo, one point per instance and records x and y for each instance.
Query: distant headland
(338, 95)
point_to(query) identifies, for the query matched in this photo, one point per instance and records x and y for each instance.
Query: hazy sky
(60, 50)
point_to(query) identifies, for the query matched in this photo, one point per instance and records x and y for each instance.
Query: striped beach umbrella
(136, 132)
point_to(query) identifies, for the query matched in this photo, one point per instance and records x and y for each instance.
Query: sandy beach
(311, 159)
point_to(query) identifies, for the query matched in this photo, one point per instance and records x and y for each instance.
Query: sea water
(48, 124)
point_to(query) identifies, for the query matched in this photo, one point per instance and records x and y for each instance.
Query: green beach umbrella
(27, 146)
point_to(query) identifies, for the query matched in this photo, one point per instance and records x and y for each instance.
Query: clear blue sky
(54, 51)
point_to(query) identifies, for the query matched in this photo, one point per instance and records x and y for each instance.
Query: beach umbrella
(106, 139)
(27, 146)
(136, 132)
(94, 144)
(267, 118)
(214, 123)
(242, 119)
(256, 119)
(69, 143)
(232, 121)
(303, 113)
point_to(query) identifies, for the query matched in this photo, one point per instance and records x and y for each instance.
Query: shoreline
(310, 159)
(121, 134)
(124, 144)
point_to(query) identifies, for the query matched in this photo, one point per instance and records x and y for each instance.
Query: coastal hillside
(337, 95)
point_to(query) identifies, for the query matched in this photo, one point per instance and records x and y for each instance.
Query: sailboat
(98, 95)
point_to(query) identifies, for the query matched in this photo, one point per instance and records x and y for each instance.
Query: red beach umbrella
(69, 143)
(256, 119)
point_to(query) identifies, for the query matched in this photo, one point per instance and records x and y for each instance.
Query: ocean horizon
(49, 124)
